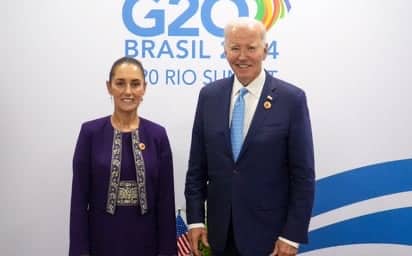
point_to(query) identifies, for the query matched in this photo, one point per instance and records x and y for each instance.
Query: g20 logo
(268, 11)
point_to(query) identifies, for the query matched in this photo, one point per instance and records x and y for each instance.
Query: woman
(122, 193)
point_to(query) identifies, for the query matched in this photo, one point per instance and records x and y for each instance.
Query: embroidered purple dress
(125, 231)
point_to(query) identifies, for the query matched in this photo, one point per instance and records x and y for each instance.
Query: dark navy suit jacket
(269, 191)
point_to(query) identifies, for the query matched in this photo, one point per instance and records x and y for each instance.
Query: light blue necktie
(236, 127)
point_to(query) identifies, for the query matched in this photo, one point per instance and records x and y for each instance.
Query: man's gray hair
(245, 22)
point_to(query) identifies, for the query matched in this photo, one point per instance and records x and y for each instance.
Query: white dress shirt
(251, 99)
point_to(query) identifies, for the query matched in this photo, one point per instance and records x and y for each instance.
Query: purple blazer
(93, 231)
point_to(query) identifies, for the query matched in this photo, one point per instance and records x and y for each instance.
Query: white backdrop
(353, 59)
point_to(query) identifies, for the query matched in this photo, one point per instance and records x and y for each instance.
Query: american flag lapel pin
(267, 104)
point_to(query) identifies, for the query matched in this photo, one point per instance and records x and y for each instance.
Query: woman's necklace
(125, 126)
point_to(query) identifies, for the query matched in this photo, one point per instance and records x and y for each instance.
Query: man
(260, 190)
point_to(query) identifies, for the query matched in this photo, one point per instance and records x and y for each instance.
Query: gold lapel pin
(142, 146)
(267, 104)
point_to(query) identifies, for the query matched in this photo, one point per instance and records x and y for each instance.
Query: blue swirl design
(390, 227)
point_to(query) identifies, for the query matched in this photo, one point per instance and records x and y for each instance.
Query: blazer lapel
(268, 94)
(224, 110)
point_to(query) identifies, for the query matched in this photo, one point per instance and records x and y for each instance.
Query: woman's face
(127, 87)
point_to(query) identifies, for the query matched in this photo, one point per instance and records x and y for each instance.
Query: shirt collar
(254, 88)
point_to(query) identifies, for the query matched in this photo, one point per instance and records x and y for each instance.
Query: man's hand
(284, 249)
(196, 235)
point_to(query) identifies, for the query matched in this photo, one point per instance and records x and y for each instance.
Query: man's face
(245, 52)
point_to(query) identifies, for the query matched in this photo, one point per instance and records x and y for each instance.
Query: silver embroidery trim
(127, 195)
(115, 168)
(140, 172)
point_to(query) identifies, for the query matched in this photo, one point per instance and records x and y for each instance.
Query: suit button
(235, 171)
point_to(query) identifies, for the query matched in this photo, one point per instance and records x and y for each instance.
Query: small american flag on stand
(183, 245)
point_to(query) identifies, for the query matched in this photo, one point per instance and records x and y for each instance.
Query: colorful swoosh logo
(269, 11)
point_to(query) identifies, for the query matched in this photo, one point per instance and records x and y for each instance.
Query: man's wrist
(294, 244)
(196, 225)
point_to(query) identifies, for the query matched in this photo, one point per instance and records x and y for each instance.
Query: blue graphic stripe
(388, 227)
(288, 6)
(361, 184)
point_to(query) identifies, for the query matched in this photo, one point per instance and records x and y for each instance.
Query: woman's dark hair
(123, 60)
